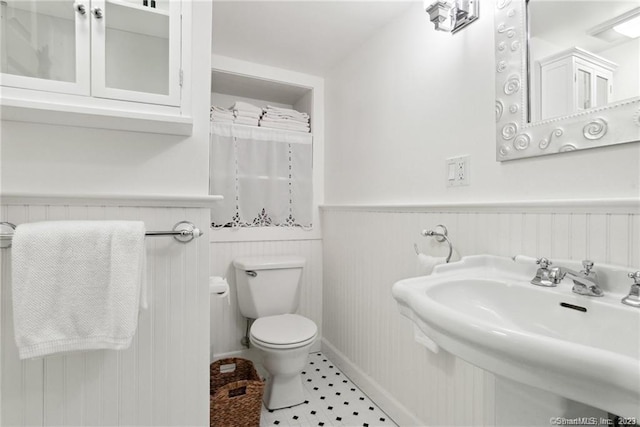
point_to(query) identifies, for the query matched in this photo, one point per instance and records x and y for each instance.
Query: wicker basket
(235, 394)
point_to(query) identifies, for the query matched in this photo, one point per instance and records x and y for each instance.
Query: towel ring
(440, 236)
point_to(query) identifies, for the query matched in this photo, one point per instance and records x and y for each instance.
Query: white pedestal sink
(484, 310)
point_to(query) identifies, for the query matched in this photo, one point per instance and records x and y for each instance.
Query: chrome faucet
(584, 283)
(633, 299)
(542, 275)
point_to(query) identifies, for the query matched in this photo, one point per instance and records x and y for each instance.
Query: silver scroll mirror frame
(516, 138)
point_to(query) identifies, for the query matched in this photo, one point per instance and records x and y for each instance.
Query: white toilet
(269, 291)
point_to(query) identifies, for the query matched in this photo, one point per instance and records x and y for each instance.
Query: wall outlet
(457, 169)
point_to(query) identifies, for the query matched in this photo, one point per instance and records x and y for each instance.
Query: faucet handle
(587, 265)
(636, 277)
(543, 262)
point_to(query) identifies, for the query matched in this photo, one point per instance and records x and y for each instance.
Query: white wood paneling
(367, 249)
(162, 379)
(227, 324)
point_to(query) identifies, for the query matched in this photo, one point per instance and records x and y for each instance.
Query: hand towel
(426, 263)
(77, 285)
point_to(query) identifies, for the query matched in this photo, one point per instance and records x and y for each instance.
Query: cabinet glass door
(136, 51)
(602, 91)
(44, 45)
(584, 90)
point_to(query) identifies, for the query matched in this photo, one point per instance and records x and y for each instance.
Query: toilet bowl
(284, 341)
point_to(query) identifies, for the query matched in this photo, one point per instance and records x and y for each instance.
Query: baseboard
(240, 353)
(385, 401)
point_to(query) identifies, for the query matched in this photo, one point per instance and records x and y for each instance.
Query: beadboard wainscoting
(227, 324)
(162, 379)
(368, 248)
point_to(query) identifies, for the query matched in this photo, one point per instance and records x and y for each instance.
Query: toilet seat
(283, 331)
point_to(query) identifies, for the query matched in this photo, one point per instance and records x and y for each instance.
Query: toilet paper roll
(524, 259)
(426, 263)
(219, 287)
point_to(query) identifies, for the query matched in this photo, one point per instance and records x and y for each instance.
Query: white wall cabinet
(572, 81)
(116, 50)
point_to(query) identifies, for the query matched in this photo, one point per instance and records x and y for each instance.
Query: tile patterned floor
(331, 399)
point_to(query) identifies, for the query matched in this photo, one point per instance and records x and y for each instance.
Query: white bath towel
(268, 118)
(247, 114)
(270, 109)
(285, 126)
(221, 119)
(245, 106)
(277, 116)
(221, 110)
(246, 121)
(77, 285)
(218, 114)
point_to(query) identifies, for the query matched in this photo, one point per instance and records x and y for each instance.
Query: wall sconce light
(452, 15)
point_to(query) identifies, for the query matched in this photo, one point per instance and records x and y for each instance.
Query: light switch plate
(457, 171)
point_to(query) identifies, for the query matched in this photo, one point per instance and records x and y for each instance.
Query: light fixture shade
(440, 14)
(630, 28)
(625, 25)
(452, 15)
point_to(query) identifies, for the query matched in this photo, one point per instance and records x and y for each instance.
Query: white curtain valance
(264, 176)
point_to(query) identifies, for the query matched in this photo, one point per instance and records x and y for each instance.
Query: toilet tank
(268, 285)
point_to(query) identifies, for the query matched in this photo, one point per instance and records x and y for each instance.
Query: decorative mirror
(565, 80)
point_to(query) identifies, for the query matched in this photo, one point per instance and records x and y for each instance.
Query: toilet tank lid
(268, 262)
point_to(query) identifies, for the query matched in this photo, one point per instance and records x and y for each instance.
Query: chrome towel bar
(183, 232)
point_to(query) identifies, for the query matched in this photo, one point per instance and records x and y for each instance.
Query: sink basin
(484, 310)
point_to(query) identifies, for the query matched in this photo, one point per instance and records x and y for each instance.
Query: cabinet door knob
(97, 12)
(80, 8)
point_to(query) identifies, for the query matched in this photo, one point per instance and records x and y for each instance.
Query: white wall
(411, 97)
(60, 159)
(626, 79)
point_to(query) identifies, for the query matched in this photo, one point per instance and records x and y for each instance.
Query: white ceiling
(304, 35)
(566, 22)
